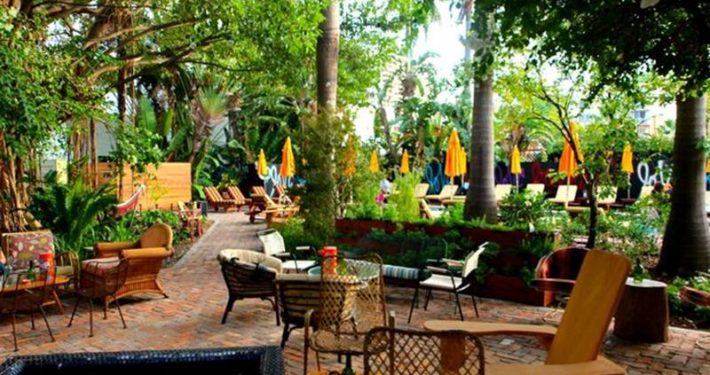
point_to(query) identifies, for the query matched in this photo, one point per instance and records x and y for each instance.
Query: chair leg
(415, 299)
(14, 331)
(105, 308)
(426, 300)
(76, 305)
(46, 322)
(91, 318)
(32, 318)
(284, 335)
(230, 305)
(276, 309)
(305, 357)
(475, 306)
(120, 313)
(458, 303)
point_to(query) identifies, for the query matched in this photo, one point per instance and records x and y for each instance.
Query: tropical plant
(72, 211)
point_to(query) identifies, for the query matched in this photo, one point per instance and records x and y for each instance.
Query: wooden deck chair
(502, 191)
(420, 190)
(261, 203)
(446, 193)
(426, 212)
(281, 194)
(565, 194)
(573, 348)
(236, 194)
(215, 200)
(536, 188)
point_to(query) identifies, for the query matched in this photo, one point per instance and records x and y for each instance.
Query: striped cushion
(402, 273)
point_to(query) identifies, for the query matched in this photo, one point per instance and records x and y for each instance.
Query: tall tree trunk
(327, 57)
(321, 197)
(686, 243)
(480, 198)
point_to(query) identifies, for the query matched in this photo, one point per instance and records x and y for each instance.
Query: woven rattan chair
(101, 280)
(298, 293)
(352, 302)
(405, 352)
(17, 296)
(249, 274)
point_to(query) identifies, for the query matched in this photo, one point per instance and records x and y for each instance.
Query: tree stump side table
(643, 314)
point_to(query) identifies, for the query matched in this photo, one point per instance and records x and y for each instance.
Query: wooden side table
(643, 314)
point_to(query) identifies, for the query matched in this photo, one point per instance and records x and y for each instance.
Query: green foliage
(132, 225)
(294, 235)
(523, 208)
(71, 211)
(136, 145)
(402, 201)
(701, 315)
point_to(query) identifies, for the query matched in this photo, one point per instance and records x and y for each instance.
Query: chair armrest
(111, 249)
(439, 270)
(304, 248)
(146, 253)
(601, 366)
(391, 318)
(284, 255)
(545, 334)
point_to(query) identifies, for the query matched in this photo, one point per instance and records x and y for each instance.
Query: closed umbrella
(404, 166)
(463, 166)
(350, 158)
(568, 163)
(453, 156)
(374, 162)
(261, 167)
(288, 163)
(627, 165)
(515, 164)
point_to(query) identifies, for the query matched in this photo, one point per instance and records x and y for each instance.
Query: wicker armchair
(397, 351)
(249, 274)
(298, 293)
(144, 257)
(352, 302)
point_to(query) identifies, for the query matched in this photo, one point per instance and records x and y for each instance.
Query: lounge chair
(236, 195)
(646, 191)
(282, 195)
(606, 196)
(426, 212)
(573, 348)
(565, 194)
(191, 218)
(535, 188)
(420, 191)
(446, 193)
(215, 200)
(502, 191)
(261, 203)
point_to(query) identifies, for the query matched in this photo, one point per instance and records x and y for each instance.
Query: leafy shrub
(294, 235)
(700, 315)
(130, 226)
(523, 209)
(403, 201)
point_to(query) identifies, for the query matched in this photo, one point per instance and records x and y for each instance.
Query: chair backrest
(645, 191)
(593, 302)
(607, 194)
(212, 194)
(707, 197)
(158, 235)
(566, 193)
(471, 262)
(298, 293)
(421, 190)
(448, 191)
(502, 191)
(272, 241)
(101, 279)
(536, 188)
(397, 351)
(258, 190)
(22, 247)
(352, 295)
(561, 264)
(235, 193)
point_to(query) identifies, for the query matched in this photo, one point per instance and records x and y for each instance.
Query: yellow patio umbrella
(626, 160)
(374, 162)
(515, 164)
(261, 167)
(288, 163)
(350, 158)
(404, 166)
(568, 163)
(453, 156)
(707, 166)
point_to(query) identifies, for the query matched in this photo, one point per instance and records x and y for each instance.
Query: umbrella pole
(567, 193)
(628, 189)
(517, 188)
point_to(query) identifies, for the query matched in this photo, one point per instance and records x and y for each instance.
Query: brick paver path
(190, 318)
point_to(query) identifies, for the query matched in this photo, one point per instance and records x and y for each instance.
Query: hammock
(132, 202)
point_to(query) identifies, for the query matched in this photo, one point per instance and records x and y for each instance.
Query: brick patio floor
(190, 318)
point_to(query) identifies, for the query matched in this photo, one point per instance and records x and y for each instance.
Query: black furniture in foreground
(265, 360)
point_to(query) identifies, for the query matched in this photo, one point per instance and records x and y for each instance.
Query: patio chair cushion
(25, 246)
(441, 282)
(297, 265)
(404, 273)
(251, 257)
(98, 267)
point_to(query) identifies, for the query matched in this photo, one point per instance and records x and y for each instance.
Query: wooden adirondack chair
(573, 348)
(215, 200)
(261, 203)
(236, 195)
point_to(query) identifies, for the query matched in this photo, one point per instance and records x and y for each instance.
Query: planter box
(511, 288)
(247, 360)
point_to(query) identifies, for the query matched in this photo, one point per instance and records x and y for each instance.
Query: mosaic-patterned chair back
(22, 247)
